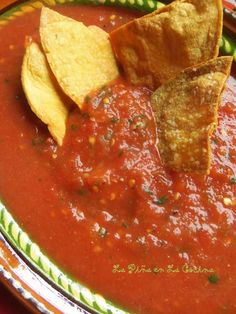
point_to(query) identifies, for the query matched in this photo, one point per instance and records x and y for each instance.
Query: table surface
(9, 304)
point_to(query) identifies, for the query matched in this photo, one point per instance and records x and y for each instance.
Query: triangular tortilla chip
(41, 92)
(80, 57)
(156, 47)
(186, 115)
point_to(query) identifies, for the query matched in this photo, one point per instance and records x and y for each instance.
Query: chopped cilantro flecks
(85, 115)
(136, 119)
(162, 200)
(37, 141)
(73, 127)
(17, 97)
(215, 141)
(139, 125)
(232, 180)
(213, 279)
(102, 232)
(114, 120)
(149, 192)
(108, 136)
(81, 192)
(124, 224)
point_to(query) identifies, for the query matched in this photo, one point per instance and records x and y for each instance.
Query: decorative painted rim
(31, 251)
(230, 6)
(31, 288)
(10, 228)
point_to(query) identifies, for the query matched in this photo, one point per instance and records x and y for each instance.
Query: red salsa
(103, 207)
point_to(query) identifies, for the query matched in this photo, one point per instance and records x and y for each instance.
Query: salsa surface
(103, 207)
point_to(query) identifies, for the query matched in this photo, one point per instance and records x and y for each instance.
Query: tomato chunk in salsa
(102, 206)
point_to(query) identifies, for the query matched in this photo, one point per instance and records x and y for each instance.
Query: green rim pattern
(31, 251)
(228, 46)
(9, 226)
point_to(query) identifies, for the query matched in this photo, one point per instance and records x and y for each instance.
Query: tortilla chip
(156, 47)
(80, 57)
(41, 92)
(186, 115)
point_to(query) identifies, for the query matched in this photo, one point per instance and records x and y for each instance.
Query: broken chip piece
(186, 114)
(41, 92)
(156, 47)
(80, 57)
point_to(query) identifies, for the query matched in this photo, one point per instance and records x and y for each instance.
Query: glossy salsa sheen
(103, 207)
